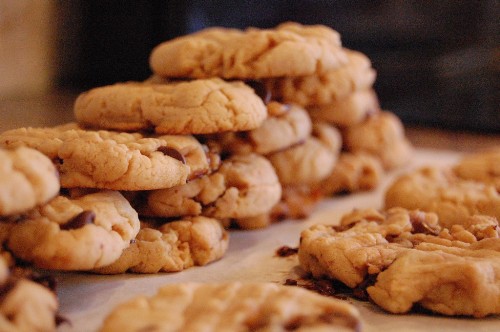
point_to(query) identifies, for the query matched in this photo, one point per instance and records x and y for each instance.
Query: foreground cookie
(290, 49)
(441, 191)
(190, 107)
(449, 271)
(173, 247)
(26, 305)
(75, 234)
(27, 179)
(233, 307)
(112, 160)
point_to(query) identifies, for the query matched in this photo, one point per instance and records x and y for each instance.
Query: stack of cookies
(373, 141)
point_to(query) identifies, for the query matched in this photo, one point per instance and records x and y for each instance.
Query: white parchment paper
(86, 299)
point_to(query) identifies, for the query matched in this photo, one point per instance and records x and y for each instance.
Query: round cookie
(75, 234)
(353, 172)
(406, 257)
(482, 166)
(233, 306)
(27, 179)
(309, 162)
(349, 111)
(438, 190)
(243, 186)
(117, 161)
(286, 125)
(381, 135)
(290, 49)
(175, 246)
(180, 107)
(328, 87)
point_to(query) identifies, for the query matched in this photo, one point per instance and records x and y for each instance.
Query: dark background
(438, 62)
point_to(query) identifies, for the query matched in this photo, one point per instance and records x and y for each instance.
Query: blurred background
(438, 61)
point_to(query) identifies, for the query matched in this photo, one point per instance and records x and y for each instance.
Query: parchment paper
(86, 299)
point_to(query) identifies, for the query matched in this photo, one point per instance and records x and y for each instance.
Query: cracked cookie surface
(290, 49)
(179, 107)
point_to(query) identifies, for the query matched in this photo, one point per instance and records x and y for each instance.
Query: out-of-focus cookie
(75, 234)
(328, 87)
(297, 202)
(173, 247)
(185, 107)
(370, 243)
(233, 307)
(482, 166)
(27, 306)
(353, 172)
(381, 135)
(440, 191)
(243, 186)
(309, 162)
(290, 49)
(27, 179)
(286, 125)
(112, 160)
(348, 111)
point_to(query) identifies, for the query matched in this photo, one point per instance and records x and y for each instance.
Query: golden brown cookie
(112, 160)
(290, 49)
(285, 126)
(80, 233)
(233, 307)
(481, 166)
(180, 107)
(441, 191)
(383, 136)
(349, 111)
(27, 179)
(173, 247)
(243, 186)
(328, 87)
(452, 271)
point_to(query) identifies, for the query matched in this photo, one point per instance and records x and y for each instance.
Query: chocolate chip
(80, 220)
(421, 226)
(286, 251)
(261, 90)
(171, 152)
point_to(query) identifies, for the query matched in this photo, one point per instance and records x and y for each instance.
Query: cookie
(328, 87)
(310, 162)
(80, 233)
(285, 126)
(297, 202)
(353, 172)
(180, 108)
(27, 179)
(405, 251)
(112, 160)
(175, 246)
(243, 186)
(233, 306)
(27, 306)
(441, 191)
(349, 111)
(381, 135)
(446, 280)
(290, 49)
(481, 166)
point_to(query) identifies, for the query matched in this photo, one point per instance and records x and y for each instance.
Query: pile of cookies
(233, 129)
(436, 245)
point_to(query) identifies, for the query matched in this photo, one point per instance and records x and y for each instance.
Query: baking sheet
(86, 299)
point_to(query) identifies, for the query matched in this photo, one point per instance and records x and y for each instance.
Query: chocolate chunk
(80, 220)
(171, 152)
(261, 90)
(286, 251)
